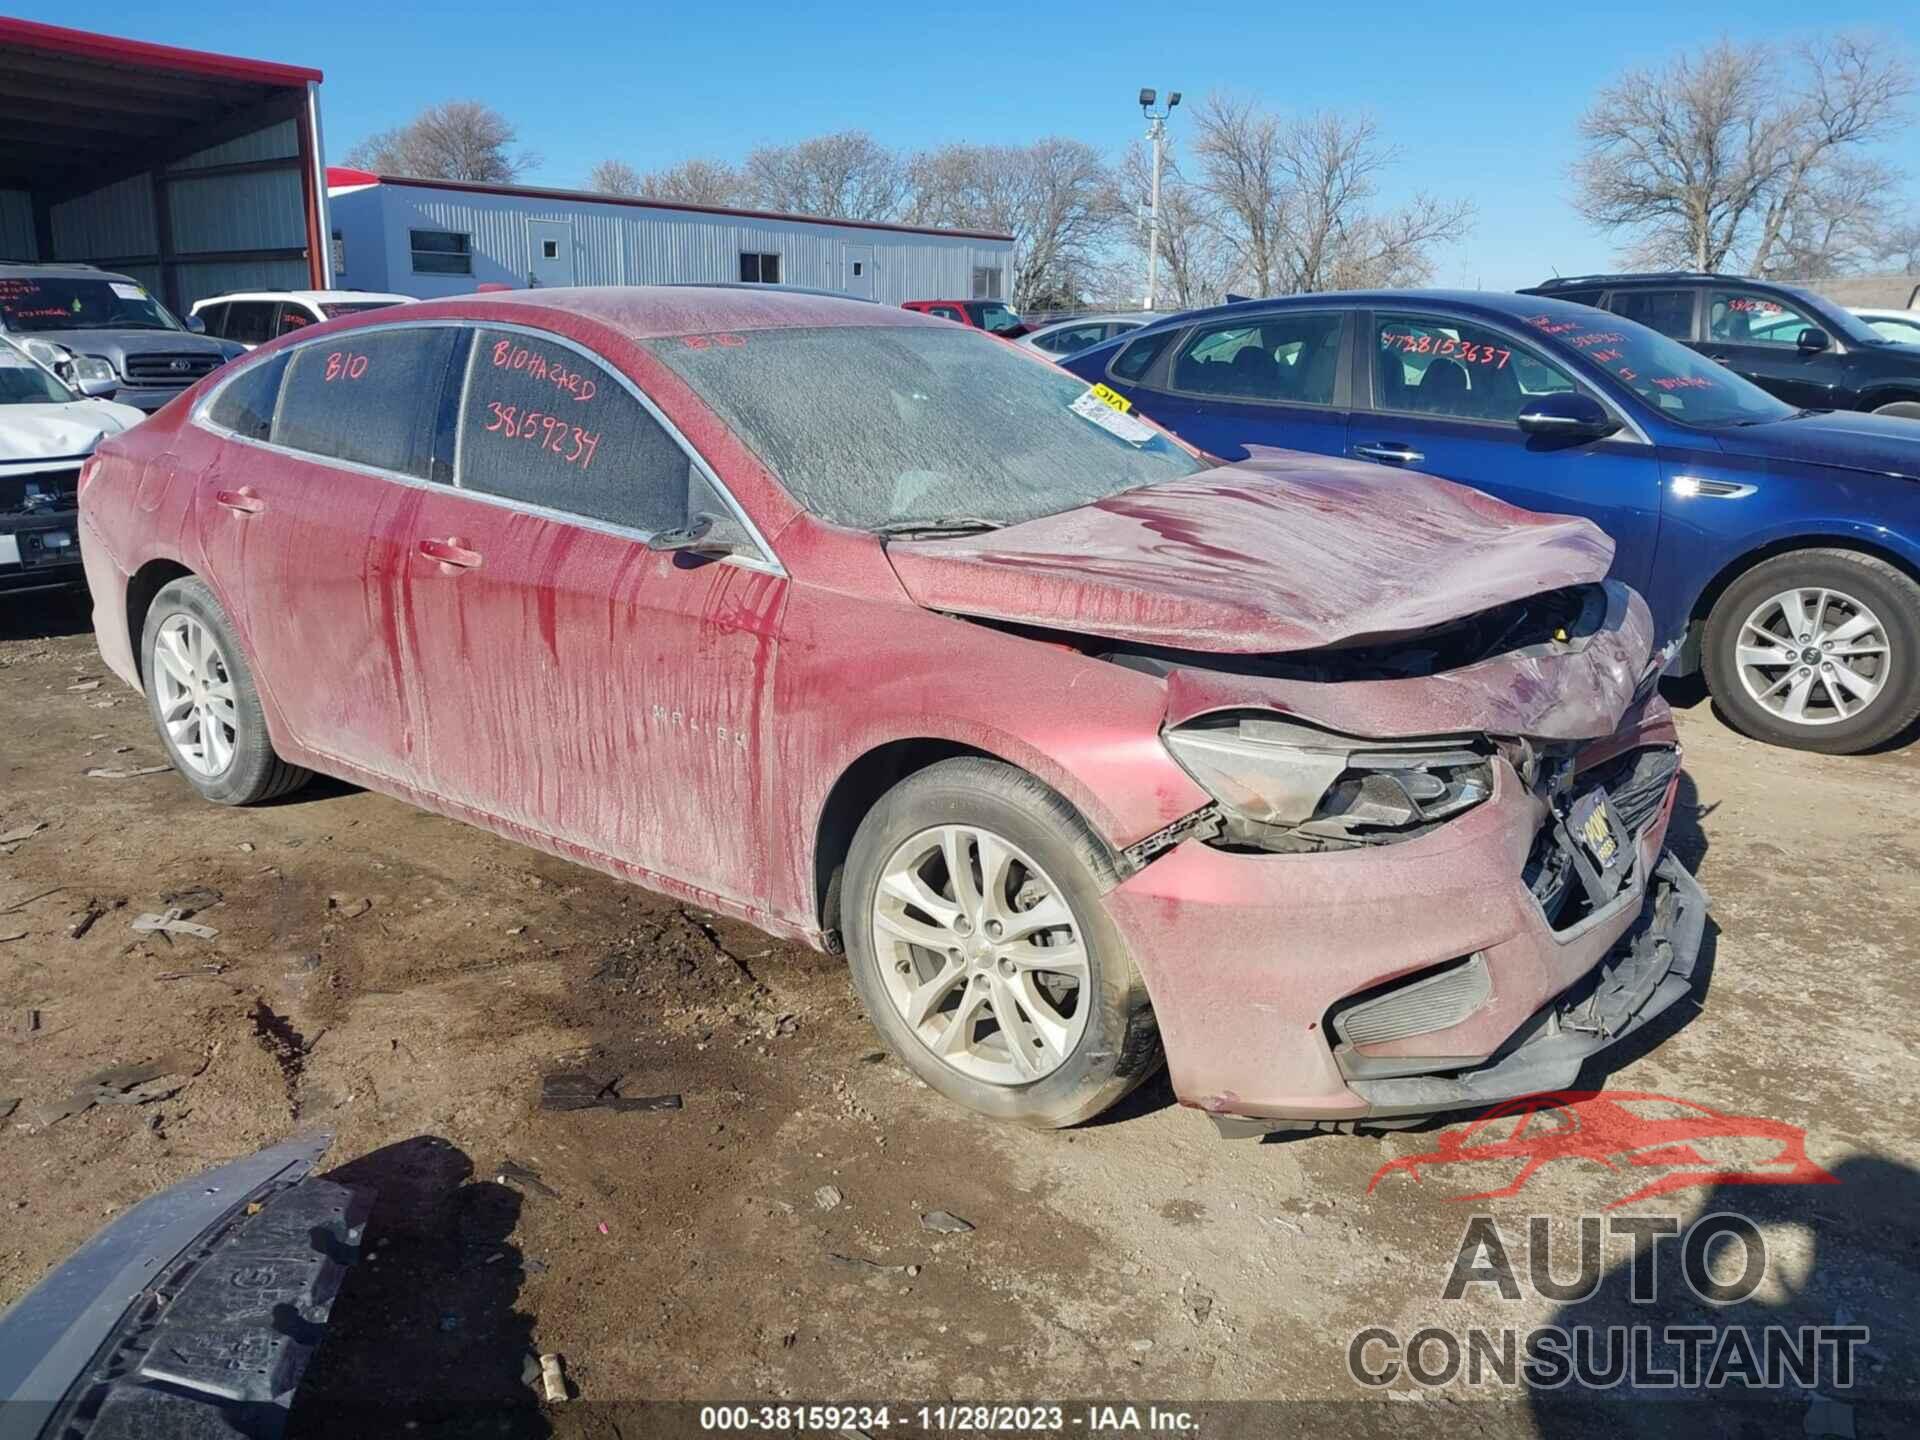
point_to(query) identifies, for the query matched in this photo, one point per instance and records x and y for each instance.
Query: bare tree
(1901, 247)
(1055, 197)
(453, 140)
(1716, 160)
(847, 175)
(615, 177)
(693, 182)
(1293, 201)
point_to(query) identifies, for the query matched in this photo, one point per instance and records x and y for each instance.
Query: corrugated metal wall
(629, 245)
(210, 214)
(16, 226)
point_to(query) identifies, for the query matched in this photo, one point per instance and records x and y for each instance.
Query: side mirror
(1567, 415)
(1813, 340)
(706, 534)
(196, 325)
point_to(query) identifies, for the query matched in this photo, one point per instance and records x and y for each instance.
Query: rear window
(872, 426)
(369, 397)
(245, 403)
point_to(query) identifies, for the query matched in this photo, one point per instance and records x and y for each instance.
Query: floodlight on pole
(1156, 132)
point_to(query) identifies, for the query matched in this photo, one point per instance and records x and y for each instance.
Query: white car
(253, 317)
(1900, 325)
(1078, 332)
(46, 433)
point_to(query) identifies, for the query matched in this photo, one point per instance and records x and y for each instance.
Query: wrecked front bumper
(1256, 963)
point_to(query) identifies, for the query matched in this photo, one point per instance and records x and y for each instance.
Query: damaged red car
(1345, 790)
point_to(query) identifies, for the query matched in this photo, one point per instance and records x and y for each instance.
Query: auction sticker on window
(127, 292)
(1109, 410)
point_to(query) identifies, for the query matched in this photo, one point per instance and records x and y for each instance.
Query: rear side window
(245, 404)
(1136, 359)
(250, 321)
(369, 397)
(543, 424)
(1456, 370)
(1668, 311)
(1287, 358)
(1072, 339)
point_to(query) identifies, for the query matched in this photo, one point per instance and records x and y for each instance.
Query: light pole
(1156, 132)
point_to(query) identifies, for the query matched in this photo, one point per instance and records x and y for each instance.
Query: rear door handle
(1392, 454)
(242, 501)
(450, 551)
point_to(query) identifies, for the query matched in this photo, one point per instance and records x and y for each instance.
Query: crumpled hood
(1844, 439)
(1281, 552)
(58, 431)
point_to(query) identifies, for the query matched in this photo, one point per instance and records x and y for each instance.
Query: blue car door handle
(1395, 454)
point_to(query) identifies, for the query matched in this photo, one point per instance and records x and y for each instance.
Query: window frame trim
(1171, 358)
(766, 562)
(1631, 432)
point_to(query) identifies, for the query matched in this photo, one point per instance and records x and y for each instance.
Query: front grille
(41, 493)
(169, 369)
(1636, 785)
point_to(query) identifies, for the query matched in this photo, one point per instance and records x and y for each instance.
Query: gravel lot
(405, 982)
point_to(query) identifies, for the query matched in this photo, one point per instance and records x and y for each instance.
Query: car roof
(76, 270)
(324, 297)
(650, 312)
(1108, 317)
(1494, 304)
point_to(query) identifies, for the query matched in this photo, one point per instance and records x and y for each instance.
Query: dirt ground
(405, 982)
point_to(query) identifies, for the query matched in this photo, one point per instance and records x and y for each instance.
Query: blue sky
(1481, 99)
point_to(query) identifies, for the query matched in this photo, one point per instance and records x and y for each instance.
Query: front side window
(1291, 358)
(757, 268)
(33, 304)
(1072, 338)
(250, 321)
(542, 424)
(441, 252)
(246, 403)
(1744, 317)
(996, 319)
(369, 397)
(214, 317)
(1667, 375)
(880, 426)
(1668, 311)
(1455, 370)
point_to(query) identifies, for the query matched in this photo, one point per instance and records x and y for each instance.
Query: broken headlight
(1276, 779)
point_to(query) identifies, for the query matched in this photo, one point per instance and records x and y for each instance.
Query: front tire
(201, 695)
(1817, 650)
(981, 950)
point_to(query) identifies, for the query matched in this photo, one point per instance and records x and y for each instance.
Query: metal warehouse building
(193, 173)
(438, 237)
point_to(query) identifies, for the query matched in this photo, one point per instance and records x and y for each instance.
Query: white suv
(255, 316)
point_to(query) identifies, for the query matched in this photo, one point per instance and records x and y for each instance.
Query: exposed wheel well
(146, 583)
(1734, 569)
(852, 796)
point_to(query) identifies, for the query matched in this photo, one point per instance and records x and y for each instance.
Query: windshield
(334, 309)
(1667, 375)
(996, 318)
(874, 427)
(24, 383)
(80, 303)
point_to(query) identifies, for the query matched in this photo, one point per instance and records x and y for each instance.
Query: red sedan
(1346, 788)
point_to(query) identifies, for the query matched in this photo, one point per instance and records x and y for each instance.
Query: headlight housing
(92, 370)
(57, 358)
(1283, 785)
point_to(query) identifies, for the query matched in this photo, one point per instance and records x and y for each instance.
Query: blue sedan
(1781, 546)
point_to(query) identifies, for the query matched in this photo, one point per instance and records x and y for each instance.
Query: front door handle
(451, 552)
(243, 501)
(1392, 454)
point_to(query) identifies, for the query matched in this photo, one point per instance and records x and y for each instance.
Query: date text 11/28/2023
(952, 1419)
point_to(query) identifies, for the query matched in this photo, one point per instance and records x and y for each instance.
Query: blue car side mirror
(1568, 415)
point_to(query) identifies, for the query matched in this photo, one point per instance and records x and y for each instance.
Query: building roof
(145, 55)
(341, 177)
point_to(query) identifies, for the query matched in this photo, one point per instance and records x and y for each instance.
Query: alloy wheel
(981, 954)
(196, 695)
(1813, 656)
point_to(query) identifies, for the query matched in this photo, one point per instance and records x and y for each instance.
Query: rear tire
(1854, 611)
(201, 695)
(1077, 1041)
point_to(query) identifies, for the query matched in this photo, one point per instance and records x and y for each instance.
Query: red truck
(993, 316)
